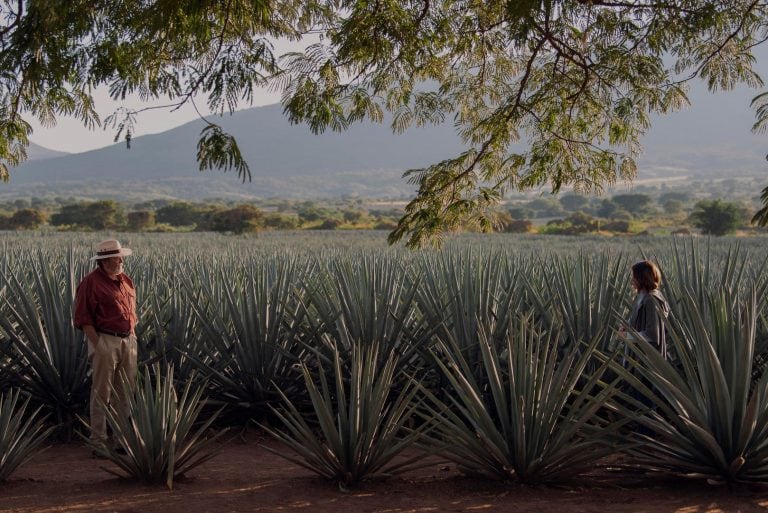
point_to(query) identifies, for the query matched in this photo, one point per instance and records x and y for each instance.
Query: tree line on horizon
(570, 214)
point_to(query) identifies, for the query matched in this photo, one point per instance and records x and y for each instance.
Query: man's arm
(91, 335)
(134, 315)
(81, 315)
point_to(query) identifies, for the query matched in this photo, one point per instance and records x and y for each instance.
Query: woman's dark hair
(647, 275)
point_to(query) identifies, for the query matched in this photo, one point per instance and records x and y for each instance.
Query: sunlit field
(352, 353)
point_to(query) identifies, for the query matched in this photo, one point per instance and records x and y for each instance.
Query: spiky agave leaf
(531, 415)
(695, 271)
(363, 299)
(362, 424)
(579, 294)
(175, 332)
(49, 354)
(161, 435)
(21, 433)
(367, 300)
(462, 291)
(710, 418)
(252, 324)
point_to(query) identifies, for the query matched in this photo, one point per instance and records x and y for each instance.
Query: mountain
(285, 160)
(710, 139)
(37, 152)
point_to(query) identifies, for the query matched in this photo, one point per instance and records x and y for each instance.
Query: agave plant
(710, 418)
(175, 336)
(252, 328)
(580, 294)
(694, 272)
(462, 293)
(155, 280)
(161, 437)
(21, 433)
(364, 300)
(362, 423)
(48, 355)
(530, 415)
(697, 271)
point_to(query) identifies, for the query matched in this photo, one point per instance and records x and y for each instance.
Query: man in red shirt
(105, 309)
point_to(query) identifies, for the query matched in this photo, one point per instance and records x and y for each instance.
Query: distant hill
(709, 140)
(37, 152)
(285, 160)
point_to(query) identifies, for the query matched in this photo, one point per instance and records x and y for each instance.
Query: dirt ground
(244, 477)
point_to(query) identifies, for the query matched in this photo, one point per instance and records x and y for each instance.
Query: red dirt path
(244, 477)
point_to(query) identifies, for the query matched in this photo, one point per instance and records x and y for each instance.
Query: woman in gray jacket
(650, 306)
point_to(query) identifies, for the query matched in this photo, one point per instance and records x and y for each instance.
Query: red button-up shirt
(105, 303)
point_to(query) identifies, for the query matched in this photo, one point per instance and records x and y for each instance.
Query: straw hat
(110, 248)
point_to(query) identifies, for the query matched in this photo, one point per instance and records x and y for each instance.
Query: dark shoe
(99, 454)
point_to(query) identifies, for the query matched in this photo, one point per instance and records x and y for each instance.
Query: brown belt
(118, 334)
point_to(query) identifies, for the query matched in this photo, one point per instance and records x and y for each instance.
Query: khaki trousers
(110, 360)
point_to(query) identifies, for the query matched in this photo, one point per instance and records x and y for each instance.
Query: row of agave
(505, 363)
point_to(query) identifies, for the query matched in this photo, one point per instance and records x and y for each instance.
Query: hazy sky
(721, 111)
(71, 136)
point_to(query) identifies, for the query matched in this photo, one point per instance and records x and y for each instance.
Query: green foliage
(519, 212)
(139, 220)
(761, 216)
(179, 213)
(241, 219)
(607, 209)
(528, 415)
(385, 224)
(26, 219)
(674, 196)
(353, 215)
(328, 224)
(717, 217)
(541, 93)
(575, 224)
(21, 433)
(617, 226)
(362, 420)
(280, 222)
(49, 355)
(97, 215)
(564, 79)
(546, 207)
(673, 206)
(160, 436)
(154, 50)
(219, 150)
(68, 215)
(251, 322)
(634, 203)
(710, 413)
(518, 226)
(572, 202)
(311, 212)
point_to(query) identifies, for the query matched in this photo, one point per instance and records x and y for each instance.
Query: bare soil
(245, 477)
